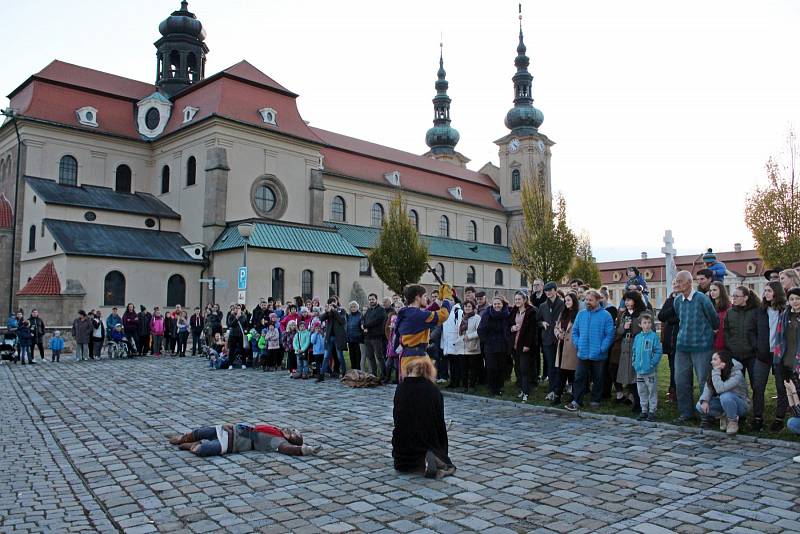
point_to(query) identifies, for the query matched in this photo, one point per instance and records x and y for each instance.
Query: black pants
(588, 369)
(355, 354)
(470, 369)
(39, 344)
(195, 343)
(144, 344)
(456, 362)
(523, 368)
(495, 371)
(183, 338)
(91, 351)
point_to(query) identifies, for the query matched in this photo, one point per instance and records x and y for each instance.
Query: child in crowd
(218, 354)
(318, 349)
(262, 350)
(274, 352)
(647, 353)
(392, 351)
(56, 346)
(288, 345)
(25, 340)
(301, 344)
(253, 339)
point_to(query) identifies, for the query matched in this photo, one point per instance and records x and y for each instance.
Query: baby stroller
(8, 347)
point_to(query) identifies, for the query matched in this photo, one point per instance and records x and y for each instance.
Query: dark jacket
(82, 330)
(763, 351)
(354, 333)
(373, 320)
(169, 326)
(335, 325)
(528, 335)
(237, 327)
(144, 323)
(549, 313)
(37, 329)
(24, 336)
(214, 319)
(130, 322)
(669, 325)
(741, 333)
(258, 314)
(419, 424)
(196, 323)
(493, 330)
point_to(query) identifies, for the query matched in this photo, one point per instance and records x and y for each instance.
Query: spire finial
(184, 5)
(520, 17)
(442, 138)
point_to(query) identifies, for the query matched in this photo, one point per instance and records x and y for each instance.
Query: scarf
(462, 328)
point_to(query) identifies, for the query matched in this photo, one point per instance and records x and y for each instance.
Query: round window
(89, 116)
(149, 222)
(264, 198)
(268, 197)
(90, 216)
(152, 118)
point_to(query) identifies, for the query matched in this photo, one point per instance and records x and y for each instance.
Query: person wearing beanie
(241, 437)
(56, 346)
(714, 265)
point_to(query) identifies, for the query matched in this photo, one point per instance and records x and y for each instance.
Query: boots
(180, 439)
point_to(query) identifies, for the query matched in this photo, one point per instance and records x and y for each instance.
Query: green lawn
(667, 411)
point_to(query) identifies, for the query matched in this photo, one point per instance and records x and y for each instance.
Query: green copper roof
(289, 238)
(443, 247)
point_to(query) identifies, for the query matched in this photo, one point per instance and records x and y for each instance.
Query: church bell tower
(525, 151)
(181, 51)
(443, 138)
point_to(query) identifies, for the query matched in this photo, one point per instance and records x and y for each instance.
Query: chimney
(737, 247)
(644, 255)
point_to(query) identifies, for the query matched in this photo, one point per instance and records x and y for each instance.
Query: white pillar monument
(669, 259)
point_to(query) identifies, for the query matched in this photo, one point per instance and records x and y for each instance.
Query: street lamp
(12, 115)
(245, 230)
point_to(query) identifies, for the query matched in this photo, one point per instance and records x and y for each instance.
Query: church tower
(181, 51)
(443, 138)
(525, 151)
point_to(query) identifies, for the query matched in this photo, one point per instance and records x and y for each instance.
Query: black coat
(419, 424)
(762, 336)
(493, 330)
(528, 335)
(669, 325)
(549, 313)
(144, 323)
(37, 329)
(373, 319)
(335, 325)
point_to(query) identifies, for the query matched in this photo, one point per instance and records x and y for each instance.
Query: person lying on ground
(241, 437)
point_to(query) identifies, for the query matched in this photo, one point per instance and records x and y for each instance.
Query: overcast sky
(663, 114)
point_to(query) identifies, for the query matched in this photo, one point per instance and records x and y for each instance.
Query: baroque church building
(133, 192)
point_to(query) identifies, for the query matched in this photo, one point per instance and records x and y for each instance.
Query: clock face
(540, 144)
(513, 146)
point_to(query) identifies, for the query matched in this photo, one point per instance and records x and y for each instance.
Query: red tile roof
(64, 73)
(6, 212)
(735, 262)
(44, 283)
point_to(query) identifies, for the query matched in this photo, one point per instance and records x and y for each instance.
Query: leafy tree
(400, 255)
(544, 246)
(584, 266)
(772, 213)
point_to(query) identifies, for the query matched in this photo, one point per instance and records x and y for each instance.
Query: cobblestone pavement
(84, 451)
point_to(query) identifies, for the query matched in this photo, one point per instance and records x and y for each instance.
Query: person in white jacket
(468, 347)
(450, 338)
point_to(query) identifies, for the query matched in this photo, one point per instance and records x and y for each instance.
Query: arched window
(515, 180)
(114, 289)
(377, 215)
(176, 290)
(523, 280)
(32, 238)
(333, 285)
(440, 270)
(165, 179)
(364, 267)
(412, 214)
(68, 171)
(174, 63)
(498, 277)
(444, 226)
(307, 284)
(472, 231)
(122, 182)
(191, 171)
(191, 66)
(338, 208)
(277, 283)
(470, 274)
(498, 235)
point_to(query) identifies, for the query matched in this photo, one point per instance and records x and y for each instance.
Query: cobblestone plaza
(84, 450)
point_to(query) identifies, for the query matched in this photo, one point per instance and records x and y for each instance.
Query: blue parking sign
(242, 278)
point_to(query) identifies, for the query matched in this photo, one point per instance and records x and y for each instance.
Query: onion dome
(182, 22)
(442, 138)
(523, 118)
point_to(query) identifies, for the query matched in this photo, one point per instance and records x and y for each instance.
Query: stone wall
(55, 309)
(66, 333)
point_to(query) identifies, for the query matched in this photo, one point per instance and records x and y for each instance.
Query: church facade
(133, 192)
